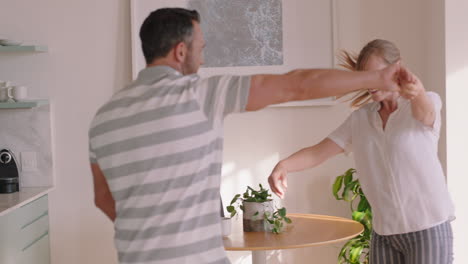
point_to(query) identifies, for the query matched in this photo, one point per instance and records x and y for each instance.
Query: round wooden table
(306, 230)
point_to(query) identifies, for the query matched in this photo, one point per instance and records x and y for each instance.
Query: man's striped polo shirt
(159, 143)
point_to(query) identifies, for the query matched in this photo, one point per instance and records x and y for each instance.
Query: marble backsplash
(28, 130)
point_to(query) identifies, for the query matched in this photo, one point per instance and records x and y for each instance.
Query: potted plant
(259, 213)
(356, 250)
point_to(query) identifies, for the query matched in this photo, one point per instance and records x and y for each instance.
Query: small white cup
(4, 88)
(4, 94)
(4, 84)
(18, 93)
(225, 226)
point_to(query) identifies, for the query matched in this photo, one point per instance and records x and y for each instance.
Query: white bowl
(9, 42)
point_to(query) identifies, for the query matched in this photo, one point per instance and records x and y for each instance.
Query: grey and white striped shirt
(159, 143)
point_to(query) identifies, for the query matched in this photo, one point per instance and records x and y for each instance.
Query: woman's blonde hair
(382, 48)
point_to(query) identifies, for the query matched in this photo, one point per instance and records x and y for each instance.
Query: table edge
(308, 244)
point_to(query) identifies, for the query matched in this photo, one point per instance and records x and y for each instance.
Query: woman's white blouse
(399, 170)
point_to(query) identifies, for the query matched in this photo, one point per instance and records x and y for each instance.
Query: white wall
(88, 58)
(457, 122)
(399, 21)
(433, 45)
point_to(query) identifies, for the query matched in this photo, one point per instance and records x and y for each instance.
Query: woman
(394, 140)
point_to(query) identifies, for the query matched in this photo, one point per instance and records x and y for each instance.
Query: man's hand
(389, 77)
(277, 180)
(411, 86)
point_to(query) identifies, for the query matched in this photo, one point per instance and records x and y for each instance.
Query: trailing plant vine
(356, 250)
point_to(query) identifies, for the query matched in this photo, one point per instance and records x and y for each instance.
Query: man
(156, 146)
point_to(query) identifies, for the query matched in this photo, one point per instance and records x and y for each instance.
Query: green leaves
(266, 217)
(275, 219)
(231, 210)
(363, 204)
(282, 212)
(351, 188)
(355, 254)
(337, 186)
(348, 177)
(235, 198)
(344, 250)
(358, 216)
(258, 196)
(356, 249)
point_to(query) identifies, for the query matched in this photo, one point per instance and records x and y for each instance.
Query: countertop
(11, 201)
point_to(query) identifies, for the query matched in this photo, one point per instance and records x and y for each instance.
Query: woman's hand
(422, 107)
(278, 180)
(303, 159)
(411, 86)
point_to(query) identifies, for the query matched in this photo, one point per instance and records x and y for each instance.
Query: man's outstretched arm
(267, 89)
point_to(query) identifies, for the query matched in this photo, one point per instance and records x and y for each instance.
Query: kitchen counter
(11, 201)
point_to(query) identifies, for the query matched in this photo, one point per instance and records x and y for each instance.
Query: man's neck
(165, 62)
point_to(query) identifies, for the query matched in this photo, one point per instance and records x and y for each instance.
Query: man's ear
(180, 52)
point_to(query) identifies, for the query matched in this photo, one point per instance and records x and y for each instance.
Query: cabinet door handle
(36, 240)
(35, 219)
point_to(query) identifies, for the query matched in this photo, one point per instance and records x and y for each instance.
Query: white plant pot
(253, 218)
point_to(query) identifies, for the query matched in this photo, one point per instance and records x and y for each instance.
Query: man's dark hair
(165, 28)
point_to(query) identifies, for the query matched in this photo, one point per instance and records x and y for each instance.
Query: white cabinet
(24, 234)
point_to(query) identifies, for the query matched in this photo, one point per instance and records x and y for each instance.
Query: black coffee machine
(9, 173)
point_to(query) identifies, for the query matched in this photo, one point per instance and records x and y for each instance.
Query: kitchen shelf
(23, 104)
(31, 48)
